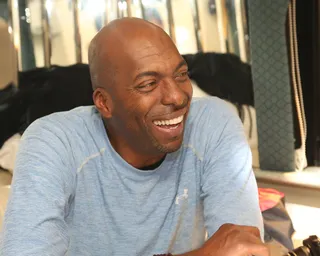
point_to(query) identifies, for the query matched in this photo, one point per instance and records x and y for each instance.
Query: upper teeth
(169, 122)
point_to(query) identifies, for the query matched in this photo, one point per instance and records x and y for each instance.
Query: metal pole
(119, 11)
(246, 29)
(197, 25)
(220, 21)
(143, 11)
(129, 11)
(46, 35)
(16, 64)
(77, 35)
(105, 14)
(14, 33)
(240, 28)
(172, 31)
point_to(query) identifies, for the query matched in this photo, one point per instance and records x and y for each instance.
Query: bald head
(110, 47)
(138, 77)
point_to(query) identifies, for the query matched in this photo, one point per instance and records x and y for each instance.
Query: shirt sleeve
(228, 186)
(34, 222)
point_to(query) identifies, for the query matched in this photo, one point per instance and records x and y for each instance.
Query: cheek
(188, 89)
(138, 108)
(127, 105)
(128, 120)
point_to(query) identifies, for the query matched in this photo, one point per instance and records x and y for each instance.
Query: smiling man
(145, 171)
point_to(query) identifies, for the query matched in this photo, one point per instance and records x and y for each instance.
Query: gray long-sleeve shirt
(72, 194)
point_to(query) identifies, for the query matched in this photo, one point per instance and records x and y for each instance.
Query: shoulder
(62, 132)
(210, 115)
(207, 122)
(59, 142)
(68, 118)
(61, 123)
(210, 106)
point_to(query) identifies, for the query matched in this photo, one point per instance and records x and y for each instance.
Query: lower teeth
(171, 126)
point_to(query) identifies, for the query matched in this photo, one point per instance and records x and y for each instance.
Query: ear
(103, 102)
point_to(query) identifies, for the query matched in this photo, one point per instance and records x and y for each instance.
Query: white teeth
(169, 122)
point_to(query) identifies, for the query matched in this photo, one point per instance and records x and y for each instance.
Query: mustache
(174, 108)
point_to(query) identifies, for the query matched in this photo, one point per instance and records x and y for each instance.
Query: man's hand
(233, 240)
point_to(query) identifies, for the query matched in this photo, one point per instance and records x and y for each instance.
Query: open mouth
(169, 130)
(169, 124)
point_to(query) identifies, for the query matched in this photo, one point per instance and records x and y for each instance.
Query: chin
(170, 147)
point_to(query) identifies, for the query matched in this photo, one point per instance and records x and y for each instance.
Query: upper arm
(42, 185)
(229, 188)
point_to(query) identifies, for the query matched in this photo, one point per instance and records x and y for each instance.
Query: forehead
(159, 54)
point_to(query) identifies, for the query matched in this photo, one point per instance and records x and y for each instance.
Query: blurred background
(261, 57)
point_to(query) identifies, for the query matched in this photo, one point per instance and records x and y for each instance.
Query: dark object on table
(311, 247)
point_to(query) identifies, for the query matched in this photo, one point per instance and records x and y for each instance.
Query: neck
(131, 154)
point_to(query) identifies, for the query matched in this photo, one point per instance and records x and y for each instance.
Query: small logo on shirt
(183, 196)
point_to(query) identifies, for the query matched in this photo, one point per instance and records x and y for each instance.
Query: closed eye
(185, 73)
(182, 76)
(147, 87)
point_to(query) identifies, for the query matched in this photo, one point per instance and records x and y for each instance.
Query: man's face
(151, 96)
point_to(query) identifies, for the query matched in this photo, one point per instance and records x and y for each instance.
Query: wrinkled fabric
(72, 194)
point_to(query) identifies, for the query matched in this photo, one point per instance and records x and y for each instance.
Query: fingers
(258, 250)
(236, 240)
(252, 230)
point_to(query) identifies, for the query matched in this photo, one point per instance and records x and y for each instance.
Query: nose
(173, 95)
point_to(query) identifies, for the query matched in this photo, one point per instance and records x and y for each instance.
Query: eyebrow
(153, 73)
(147, 73)
(181, 64)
